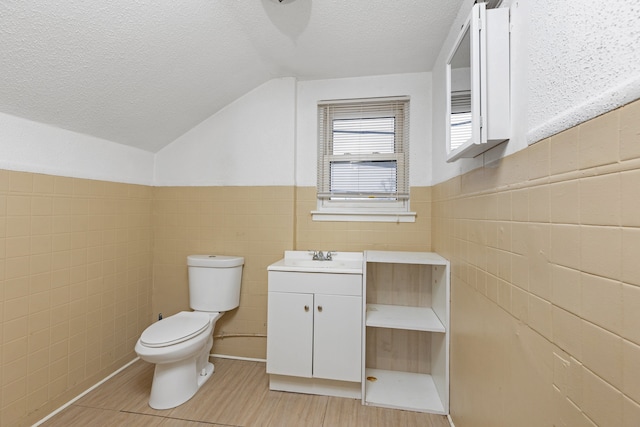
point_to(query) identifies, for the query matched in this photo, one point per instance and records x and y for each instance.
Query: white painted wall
(36, 147)
(249, 142)
(269, 136)
(586, 55)
(570, 62)
(416, 85)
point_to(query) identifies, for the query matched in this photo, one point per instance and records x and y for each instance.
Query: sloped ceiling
(143, 72)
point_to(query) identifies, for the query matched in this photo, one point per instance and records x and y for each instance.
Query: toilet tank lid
(214, 261)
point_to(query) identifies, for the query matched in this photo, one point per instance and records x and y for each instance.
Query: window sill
(396, 217)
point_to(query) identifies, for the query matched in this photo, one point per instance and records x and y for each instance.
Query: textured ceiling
(143, 72)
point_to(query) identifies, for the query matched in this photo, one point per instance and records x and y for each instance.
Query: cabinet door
(337, 337)
(290, 334)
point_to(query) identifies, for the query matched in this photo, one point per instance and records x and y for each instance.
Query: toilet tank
(214, 282)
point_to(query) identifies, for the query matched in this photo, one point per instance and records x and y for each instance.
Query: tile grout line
(167, 417)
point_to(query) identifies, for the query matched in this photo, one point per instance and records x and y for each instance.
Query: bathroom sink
(316, 264)
(341, 262)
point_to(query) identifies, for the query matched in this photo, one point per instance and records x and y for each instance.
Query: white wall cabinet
(406, 334)
(315, 332)
(478, 113)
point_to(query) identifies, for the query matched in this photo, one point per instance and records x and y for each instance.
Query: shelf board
(402, 390)
(400, 257)
(402, 317)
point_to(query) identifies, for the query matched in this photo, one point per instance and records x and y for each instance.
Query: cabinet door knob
(319, 308)
(306, 308)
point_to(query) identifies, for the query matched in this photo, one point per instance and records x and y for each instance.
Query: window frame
(370, 208)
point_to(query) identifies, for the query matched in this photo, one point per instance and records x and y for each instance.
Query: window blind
(461, 102)
(363, 150)
(460, 126)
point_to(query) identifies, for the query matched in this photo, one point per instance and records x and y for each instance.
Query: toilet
(179, 345)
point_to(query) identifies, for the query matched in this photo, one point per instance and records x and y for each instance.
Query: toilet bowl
(179, 345)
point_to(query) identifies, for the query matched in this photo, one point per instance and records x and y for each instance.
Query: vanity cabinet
(406, 334)
(314, 333)
(290, 334)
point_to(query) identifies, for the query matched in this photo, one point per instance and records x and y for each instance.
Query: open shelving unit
(399, 317)
(406, 334)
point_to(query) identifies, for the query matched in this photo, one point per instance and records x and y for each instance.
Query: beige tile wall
(545, 252)
(360, 236)
(258, 223)
(253, 222)
(75, 286)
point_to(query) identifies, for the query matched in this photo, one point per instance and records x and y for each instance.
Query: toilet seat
(175, 329)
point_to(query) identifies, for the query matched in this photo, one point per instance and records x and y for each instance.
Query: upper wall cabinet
(478, 82)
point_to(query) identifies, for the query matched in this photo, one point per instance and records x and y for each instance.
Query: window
(363, 160)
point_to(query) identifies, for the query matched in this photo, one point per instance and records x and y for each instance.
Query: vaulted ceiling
(143, 72)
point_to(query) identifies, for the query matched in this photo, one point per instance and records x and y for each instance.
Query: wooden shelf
(402, 317)
(402, 390)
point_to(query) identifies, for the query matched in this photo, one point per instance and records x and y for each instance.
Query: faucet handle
(329, 255)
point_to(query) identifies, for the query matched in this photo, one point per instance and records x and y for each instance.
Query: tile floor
(237, 395)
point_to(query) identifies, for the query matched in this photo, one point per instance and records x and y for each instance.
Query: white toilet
(179, 345)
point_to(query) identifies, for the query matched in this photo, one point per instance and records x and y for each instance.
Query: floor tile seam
(213, 423)
(324, 413)
(99, 408)
(124, 411)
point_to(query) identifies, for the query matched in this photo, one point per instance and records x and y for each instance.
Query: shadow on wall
(289, 16)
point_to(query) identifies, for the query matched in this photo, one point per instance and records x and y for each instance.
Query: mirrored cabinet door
(478, 84)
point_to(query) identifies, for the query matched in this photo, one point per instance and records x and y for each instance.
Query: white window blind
(363, 150)
(460, 118)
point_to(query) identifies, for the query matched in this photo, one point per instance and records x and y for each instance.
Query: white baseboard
(248, 359)
(99, 383)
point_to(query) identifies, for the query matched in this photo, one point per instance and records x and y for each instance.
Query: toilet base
(175, 383)
(205, 374)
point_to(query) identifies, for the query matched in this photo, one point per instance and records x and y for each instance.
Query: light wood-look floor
(237, 395)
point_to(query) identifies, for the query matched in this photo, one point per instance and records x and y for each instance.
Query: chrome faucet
(320, 256)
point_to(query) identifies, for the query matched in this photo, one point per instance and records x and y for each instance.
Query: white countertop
(301, 261)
